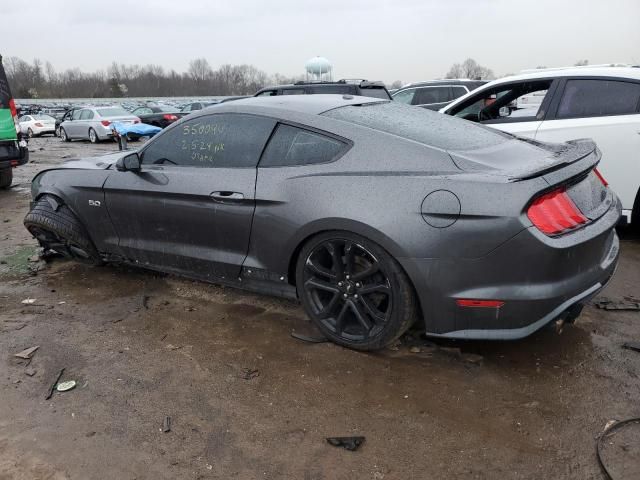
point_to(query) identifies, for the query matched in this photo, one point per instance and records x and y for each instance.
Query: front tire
(63, 135)
(354, 291)
(6, 177)
(58, 229)
(93, 136)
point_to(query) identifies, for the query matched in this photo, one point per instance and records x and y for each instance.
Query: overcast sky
(404, 40)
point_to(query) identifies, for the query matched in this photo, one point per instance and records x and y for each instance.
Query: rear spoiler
(585, 148)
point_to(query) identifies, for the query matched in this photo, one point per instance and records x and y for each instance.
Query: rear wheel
(354, 291)
(58, 229)
(93, 136)
(63, 135)
(6, 177)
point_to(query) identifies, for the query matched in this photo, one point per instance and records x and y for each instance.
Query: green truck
(13, 149)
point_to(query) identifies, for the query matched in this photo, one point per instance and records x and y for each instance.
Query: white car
(36, 125)
(93, 123)
(556, 105)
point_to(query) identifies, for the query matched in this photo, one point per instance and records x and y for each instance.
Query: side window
(267, 93)
(186, 108)
(224, 140)
(594, 98)
(335, 89)
(405, 96)
(506, 103)
(428, 95)
(457, 91)
(295, 146)
(86, 115)
(76, 114)
(293, 91)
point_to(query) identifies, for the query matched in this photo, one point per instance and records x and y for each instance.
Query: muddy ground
(143, 346)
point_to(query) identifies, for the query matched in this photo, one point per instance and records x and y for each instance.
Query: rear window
(595, 98)
(375, 92)
(43, 117)
(295, 146)
(112, 112)
(421, 125)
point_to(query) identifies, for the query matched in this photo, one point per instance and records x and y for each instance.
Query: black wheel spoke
(349, 257)
(318, 284)
(337, 265)
(377, 316)
(319, 270)
(361, 317)
(340, 318)
(328, 308)
(375, 287)
(373, 268)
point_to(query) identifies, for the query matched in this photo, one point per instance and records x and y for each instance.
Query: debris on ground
(53, 385)
(249, 373)
(632, 346)
(145, 301)
(30, 372)
(27, 353)
(611, 428)
(308, 338)
(628, 304)
(66, 386)
(472, 358)
(166, 424)
(415, 349)
(348, 443)
(28, 301)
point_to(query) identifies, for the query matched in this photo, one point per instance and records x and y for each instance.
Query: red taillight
(599, 175)
(106, 123)
(467, 302)
(555, 212)
(171, 118)
(136, 121)
(38, 124)
(12, 107)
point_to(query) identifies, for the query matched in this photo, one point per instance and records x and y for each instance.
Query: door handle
(225, 196)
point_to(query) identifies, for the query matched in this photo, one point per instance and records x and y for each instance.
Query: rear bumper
(537, 277)
(11, 155)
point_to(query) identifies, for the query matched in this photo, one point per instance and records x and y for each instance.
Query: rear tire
(354, 291)
(6, 177)
(63, 135)
(61, 231)
(93, 136)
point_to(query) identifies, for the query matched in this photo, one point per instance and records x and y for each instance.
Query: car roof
(621, 72)
(308, 104)
(447, 81)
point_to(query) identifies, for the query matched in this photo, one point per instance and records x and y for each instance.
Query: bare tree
(470, 69)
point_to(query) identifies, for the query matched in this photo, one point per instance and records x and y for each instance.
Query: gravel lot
(143, 346)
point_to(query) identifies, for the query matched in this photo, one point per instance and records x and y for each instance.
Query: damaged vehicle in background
(560, 104)
(374, 214)
(93, 123)
(157, 115)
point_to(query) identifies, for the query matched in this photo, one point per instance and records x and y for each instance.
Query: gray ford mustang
(375, 215)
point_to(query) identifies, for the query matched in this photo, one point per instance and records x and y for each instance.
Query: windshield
(112, 112)
(420, 125)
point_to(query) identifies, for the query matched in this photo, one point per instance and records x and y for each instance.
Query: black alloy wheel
(355, 292)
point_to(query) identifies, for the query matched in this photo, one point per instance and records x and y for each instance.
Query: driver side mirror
(504, 112)
(128, 163)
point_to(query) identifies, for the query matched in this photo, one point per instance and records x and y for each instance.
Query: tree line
(41, 80)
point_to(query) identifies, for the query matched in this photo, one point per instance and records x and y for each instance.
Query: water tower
(319, 69)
